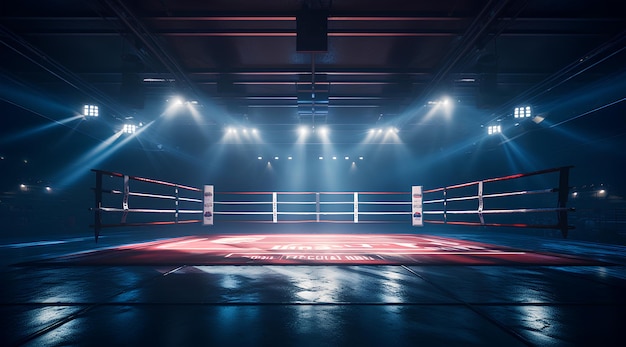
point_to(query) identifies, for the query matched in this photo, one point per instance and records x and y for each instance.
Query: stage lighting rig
(180, 101)
(129, 129)
(90, 110)
(522, 112)
(439, 102)
(494, 129)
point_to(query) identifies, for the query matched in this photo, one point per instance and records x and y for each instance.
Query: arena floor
(312, 285)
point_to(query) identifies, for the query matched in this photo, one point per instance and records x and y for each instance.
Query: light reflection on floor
(524, 302)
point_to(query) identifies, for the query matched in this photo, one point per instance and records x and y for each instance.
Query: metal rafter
(133, 23)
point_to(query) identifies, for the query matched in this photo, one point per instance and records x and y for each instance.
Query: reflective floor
(312, 305)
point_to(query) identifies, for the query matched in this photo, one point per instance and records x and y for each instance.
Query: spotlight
(23, 187)
(321, 158)
(259, 158)
(494, 129)
(380, 131)
(254, 131)
(443, 101)
(303, 130)
(129, 129)
(323, 131)
(372, 131)
(90, 111)
(574, 194)
(522, 112)
(275, 158)
(346, 158)
(289, 158)
(48, 189)
(245, 131)
(177, 101)
(334, 158)
(392, 130)
(360, 158)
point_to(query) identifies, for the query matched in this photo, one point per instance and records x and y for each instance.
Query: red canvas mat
(315, 249)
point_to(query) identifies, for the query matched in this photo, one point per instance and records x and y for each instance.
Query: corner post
(562, 203)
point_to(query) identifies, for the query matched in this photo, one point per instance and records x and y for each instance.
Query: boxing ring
(507, 201)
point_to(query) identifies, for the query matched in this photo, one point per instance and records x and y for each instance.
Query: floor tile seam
(473, 308)
(74, 315)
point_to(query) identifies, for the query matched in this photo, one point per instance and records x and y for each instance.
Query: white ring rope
(409, 203)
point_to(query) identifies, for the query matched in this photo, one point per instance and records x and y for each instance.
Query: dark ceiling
(240, 60)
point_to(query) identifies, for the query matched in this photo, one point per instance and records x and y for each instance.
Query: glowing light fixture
(346, 158)
(259, 158)
(289, 158)
(442, 101)
(494, 129)
(48, 189)
(179, 101)
(321, 158)
(334, 158)
(158, 80)
(360, 158)
(129, 129)
(244, 131)
(90, 111)
(522, 112)
(303, 130)
(275, 158)
(323, 131)
(23, 187)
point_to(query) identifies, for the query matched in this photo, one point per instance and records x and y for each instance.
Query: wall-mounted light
(129, 129)
(494, 129)
(90, 110)
(522, 112)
